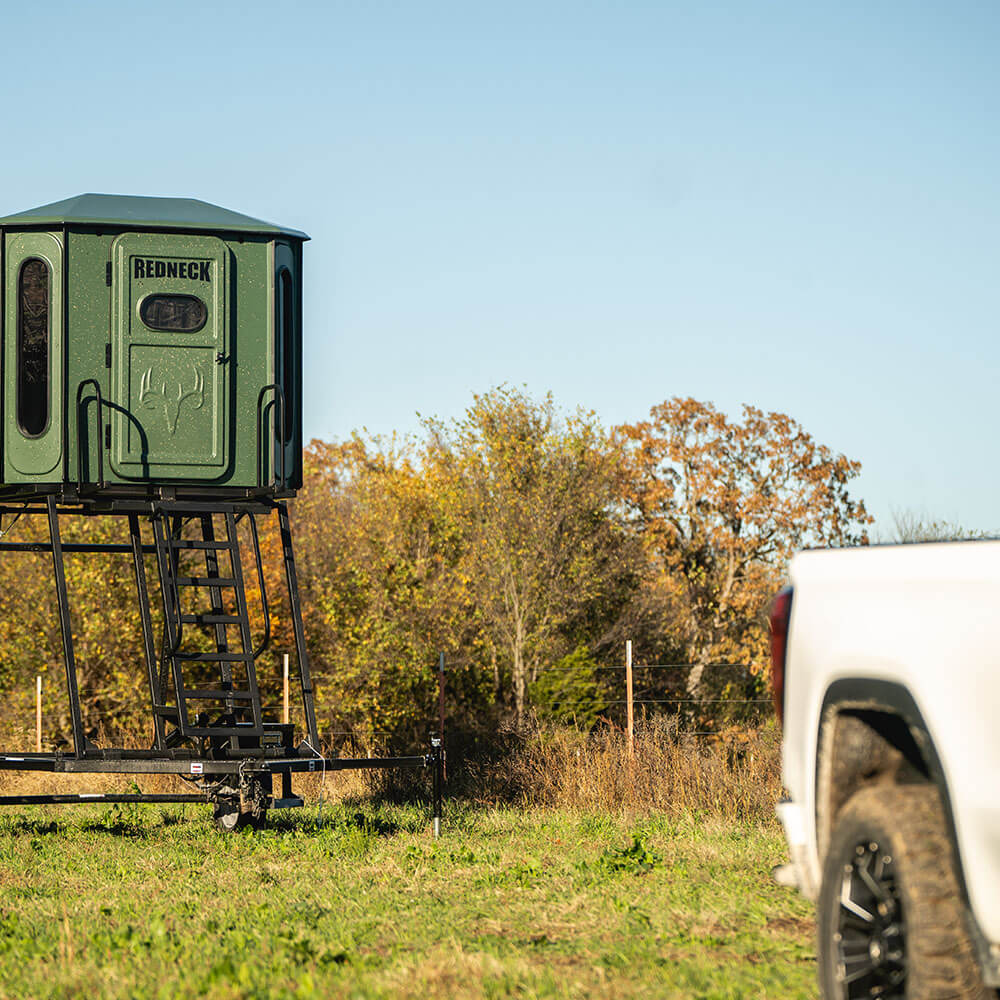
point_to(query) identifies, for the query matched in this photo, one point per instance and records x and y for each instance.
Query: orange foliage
(721, 506)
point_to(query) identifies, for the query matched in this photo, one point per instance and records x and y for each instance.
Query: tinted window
(173, 313)
(33, 347)
(286, 344)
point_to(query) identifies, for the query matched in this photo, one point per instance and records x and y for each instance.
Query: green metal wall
(185, 404)
(33, 457)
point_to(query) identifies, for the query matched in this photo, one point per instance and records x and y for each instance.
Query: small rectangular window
(173, 313)
(33, 298)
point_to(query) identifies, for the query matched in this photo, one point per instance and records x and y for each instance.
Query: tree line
(525, 542)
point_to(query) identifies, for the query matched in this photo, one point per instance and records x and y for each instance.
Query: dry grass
(736, 774)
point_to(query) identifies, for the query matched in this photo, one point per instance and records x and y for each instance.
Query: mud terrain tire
(891, 919)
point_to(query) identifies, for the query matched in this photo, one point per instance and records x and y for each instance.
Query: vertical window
(286, 345)
(33, 297)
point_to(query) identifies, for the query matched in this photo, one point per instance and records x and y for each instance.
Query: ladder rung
(241, 729)
(212, 657)
(194, 507)
(210, 695)
(168, 711)
(197, 543)
(209, 619)
(205, 581)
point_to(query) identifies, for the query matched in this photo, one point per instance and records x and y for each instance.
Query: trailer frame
(233, 760)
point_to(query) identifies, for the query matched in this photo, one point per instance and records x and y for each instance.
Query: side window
(33, 333)
(285, 307)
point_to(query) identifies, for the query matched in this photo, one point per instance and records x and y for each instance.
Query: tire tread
(942, 961)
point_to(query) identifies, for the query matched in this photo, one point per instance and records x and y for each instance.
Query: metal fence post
(441, 707)
(438, 763)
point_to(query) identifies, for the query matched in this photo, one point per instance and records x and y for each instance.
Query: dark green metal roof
(127, 211)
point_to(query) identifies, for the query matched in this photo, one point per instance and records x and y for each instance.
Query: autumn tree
(546, 559)
(526, 543)
(378, 546)
(721, 505)
(107, 632)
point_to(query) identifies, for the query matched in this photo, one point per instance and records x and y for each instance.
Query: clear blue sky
(789, 204)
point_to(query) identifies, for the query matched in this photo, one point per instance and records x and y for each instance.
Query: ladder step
(216, 695)
(216, 691)
(212, 657)
(241, 729)
(195, 507)
(210, 619)
(196, 543)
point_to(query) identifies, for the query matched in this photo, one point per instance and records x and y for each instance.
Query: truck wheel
(891, 918)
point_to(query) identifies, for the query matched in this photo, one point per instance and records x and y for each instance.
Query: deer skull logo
(152, 398)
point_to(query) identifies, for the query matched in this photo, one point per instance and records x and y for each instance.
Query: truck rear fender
(870, 731)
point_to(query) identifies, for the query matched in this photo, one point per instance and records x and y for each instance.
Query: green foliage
(544, 552)
(383, 592)
(570, 691)
(636, 859)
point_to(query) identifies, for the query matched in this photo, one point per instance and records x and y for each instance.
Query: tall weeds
(736, 774)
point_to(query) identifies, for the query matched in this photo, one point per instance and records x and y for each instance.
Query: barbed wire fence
(635, 689)
(631, 693)
(684, 708)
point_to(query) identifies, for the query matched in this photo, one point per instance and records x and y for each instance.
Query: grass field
(129, 902)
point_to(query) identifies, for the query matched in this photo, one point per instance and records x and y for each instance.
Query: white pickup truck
(886, 671)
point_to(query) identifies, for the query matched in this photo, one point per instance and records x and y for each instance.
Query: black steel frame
(181, 752)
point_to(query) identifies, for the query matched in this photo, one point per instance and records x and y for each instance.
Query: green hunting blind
(152, 369)
(150, 342)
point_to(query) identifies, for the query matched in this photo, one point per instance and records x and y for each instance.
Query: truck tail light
(781, 612)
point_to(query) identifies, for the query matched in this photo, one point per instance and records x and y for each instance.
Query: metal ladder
(223, 700)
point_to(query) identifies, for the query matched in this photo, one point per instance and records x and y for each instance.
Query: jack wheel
(242, 809)
(229, 817)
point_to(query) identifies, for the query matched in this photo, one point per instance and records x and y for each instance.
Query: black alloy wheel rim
(870, 938)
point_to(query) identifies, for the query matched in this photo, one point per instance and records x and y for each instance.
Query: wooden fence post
(628, 696)
(38, 713)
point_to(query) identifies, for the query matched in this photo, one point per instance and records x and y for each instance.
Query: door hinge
(107, 436)
(107, 274)
(107, 355)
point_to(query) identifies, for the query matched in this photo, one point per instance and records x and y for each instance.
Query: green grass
(154, 902)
